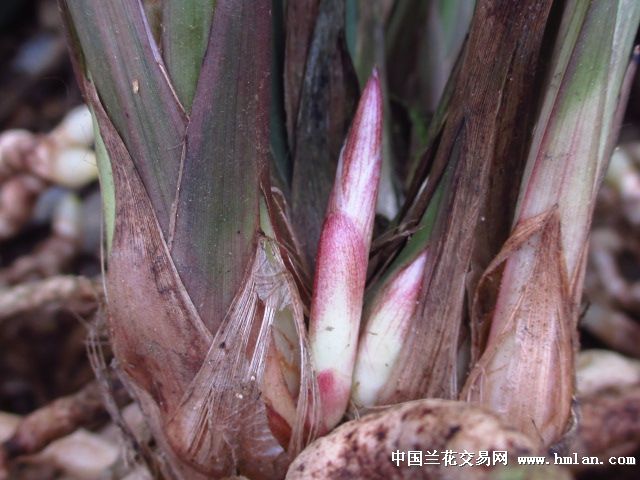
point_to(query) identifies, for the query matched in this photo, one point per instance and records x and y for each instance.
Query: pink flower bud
(343, 254)
(388, 319)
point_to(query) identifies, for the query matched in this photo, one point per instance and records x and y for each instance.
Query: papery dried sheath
(343, 253)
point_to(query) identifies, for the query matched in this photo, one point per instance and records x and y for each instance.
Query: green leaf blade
(122, 58)
(185, 34)
(227, 148)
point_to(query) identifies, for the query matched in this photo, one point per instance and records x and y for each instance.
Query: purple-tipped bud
(343, 252)
(388, 319)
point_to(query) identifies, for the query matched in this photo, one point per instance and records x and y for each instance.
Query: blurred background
(41, 353)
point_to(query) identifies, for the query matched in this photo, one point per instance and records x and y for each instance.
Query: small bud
(387, 324)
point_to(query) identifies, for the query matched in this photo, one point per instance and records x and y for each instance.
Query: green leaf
(227, 148)
(300, 18)
(351, 25)
(277, 115)
(425, 38)
(107, 188)
(446, 28)
(570, 147)
(185, 34)
(628, 18)
(524, 313)
(193, 309)
(403, 35)
(365, 23)
(153, 11)
(369, 53)
(122, 58)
